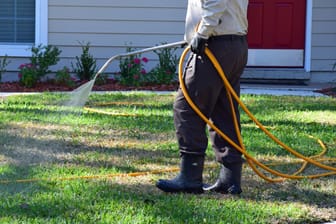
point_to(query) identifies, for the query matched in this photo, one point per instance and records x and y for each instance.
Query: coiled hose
(254, 163)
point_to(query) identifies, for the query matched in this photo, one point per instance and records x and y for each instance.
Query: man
(220, 25)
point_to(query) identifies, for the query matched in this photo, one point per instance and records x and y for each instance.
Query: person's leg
(203, 87)
(230, 158)
(222, 117)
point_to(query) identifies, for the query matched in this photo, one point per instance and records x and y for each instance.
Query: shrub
(101, 79)
(3, 65)
(43, 57)
(85, 66)
(165, 71)
(63, 77)
(28, 75)
(132, 72)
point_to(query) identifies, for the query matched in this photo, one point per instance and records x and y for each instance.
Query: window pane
(7, 8)
(25, 32)
(17, 21)
(6, 32)
(26, 9)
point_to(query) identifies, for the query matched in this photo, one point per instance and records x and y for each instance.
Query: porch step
(283, 75)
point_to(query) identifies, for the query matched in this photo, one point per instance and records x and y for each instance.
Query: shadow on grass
(25, 158)
(106, 202)
(309, 192)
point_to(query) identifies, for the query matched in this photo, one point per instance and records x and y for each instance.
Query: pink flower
(137, 61)
(22, 66)
(143, 71)
(20, 76)
(144, 59)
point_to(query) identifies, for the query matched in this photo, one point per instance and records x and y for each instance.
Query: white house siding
(323, 49)
(111, 26)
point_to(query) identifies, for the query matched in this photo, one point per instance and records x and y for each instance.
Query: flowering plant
(28, 75)
(132, 72)
(42, 57)
(165, 71)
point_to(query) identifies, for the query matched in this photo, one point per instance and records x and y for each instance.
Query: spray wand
(81, 94)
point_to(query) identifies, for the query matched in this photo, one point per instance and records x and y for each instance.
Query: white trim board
(309, 33)
(275, 58)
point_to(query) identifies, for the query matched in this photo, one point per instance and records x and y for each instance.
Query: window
(17, 21)
(23, 23)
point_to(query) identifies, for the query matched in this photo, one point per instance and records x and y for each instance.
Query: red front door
(277, 25)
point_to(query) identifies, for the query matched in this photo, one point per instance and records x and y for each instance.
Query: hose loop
(253, 162)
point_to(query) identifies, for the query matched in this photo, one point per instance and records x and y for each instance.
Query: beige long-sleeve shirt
(216, 17)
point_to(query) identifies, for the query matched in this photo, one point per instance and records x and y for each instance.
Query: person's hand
(198, 44)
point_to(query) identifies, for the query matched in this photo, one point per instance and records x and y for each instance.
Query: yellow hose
(250, 160)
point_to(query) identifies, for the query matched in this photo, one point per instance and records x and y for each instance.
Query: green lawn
(67, 165)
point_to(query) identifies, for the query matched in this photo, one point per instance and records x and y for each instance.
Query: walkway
(261, 89)
(281, 90)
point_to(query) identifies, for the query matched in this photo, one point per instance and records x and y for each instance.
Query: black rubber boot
(229, 179)
(189, 179)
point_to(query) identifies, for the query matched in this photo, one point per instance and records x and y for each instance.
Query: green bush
(101, 79)
(85, 66)
(63, 77)
(43, 57)
(28, 75)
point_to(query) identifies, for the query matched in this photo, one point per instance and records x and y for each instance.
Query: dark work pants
(208, 92)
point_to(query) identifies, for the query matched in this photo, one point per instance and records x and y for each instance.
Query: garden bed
(331, 91)
(110, 85)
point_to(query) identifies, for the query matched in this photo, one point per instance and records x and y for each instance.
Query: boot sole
(230, 190)
(180, 190)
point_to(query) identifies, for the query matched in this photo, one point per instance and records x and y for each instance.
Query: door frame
(298, 58)
(309, 34)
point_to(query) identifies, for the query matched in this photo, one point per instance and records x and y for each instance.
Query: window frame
(41, 33)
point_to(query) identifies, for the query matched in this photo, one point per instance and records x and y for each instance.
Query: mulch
(331, 91)
(109, 86)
